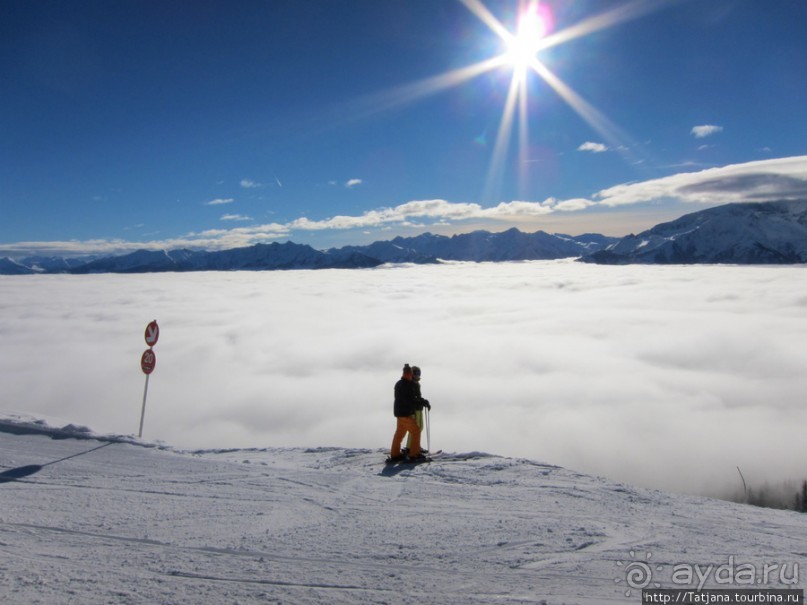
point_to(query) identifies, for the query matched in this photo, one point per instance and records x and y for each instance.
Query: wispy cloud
(429, 209)
(220, 201)
(706, 130)
(250, 184)
(592, 147)
(764, 180)
(235, 217)
(353, 183)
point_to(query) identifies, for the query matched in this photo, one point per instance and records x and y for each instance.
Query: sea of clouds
(668, 377)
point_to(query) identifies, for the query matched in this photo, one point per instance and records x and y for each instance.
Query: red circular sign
(148, 361)
(152, 333)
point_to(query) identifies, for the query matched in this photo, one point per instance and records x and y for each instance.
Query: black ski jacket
(406, 398)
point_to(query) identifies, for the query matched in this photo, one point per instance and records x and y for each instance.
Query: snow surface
(94, 519)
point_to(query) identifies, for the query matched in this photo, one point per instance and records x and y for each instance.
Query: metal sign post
(143, 410)
(148, 361)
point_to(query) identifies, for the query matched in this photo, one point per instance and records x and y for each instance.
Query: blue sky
(215, 124)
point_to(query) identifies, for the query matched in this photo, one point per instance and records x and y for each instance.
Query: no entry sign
(152, 333)
(148, 361)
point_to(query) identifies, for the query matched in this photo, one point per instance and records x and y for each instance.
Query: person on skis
(404, 408)
(419, 405)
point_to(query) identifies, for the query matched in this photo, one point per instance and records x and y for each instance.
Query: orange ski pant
(406, 424)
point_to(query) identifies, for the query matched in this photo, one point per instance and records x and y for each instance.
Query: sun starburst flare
(520, 50)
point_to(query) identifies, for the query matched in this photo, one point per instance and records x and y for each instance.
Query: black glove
(427, 405)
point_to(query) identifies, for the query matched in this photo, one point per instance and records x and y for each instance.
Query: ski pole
(428, 432)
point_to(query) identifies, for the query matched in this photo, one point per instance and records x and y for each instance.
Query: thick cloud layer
(662, 376)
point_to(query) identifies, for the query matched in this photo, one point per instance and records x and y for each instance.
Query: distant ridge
(483, 246)
(478, 246)
(260, 257)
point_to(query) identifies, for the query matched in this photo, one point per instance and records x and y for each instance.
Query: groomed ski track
(133, 523)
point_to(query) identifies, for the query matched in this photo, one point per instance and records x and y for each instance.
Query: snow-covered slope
(9, 266)
(89, 519)
(764, 233)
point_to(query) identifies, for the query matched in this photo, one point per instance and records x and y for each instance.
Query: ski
(407, 461)
(405, 451)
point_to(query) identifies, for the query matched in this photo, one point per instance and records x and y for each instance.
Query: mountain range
(746, 233)
(427, 248)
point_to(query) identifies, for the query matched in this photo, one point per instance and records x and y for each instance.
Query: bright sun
(524, 45)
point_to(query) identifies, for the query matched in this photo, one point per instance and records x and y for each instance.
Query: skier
(419, 405)
(406, 398)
